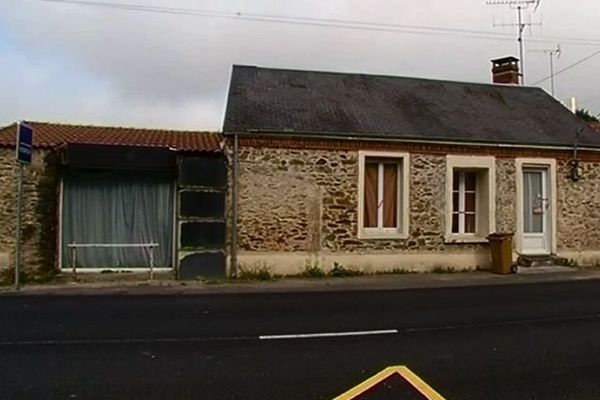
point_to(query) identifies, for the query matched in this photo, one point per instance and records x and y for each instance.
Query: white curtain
(118, 207)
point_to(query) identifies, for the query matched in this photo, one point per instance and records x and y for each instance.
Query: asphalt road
(538, 341)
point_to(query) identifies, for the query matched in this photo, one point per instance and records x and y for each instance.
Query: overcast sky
(97, 65)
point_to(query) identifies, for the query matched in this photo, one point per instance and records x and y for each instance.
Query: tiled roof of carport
(49, 135)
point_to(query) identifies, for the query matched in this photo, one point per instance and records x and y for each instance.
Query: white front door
(537, 220)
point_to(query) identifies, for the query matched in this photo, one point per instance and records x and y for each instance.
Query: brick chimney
(505, 70)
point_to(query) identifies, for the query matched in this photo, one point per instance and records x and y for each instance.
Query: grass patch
(214, 281)
(339, 271)
(313, 271)
(572, 263)
(261, 272)
(397, 271)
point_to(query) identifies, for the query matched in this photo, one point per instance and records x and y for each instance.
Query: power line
(321, 22)
(340, 23)
(567, 67)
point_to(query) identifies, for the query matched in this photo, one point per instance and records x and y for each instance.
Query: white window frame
(403, 160)
(475, 164)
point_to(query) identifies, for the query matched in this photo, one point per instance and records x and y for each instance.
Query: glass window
(382, 194)
(464, 202)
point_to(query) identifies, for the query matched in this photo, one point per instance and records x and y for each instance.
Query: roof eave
(352, 136)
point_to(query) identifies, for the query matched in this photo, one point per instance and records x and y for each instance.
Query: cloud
(172, 70)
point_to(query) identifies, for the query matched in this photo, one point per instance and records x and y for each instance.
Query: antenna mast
(557, 51)
(519, 6)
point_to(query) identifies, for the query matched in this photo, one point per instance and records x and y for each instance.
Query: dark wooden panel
(202, 204)
(119, 157)
(205, 172)
(205, 265)
(205, 235)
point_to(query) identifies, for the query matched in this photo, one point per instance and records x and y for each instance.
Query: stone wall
(40, 201)
(306, 201)
(286, 182)
(506, 195)
(427, 223)
(578, 208)
(281, 195)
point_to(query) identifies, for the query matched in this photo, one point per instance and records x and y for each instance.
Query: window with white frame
(383, 195)
(464, 202)
(470, 197)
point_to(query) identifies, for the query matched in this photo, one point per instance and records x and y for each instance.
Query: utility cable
(567, 68)
(323, 22)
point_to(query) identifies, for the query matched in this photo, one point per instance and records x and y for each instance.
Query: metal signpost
(24, 150)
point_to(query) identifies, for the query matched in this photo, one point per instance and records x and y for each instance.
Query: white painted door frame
(546, 243)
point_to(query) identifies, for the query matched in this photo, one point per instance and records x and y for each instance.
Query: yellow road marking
(401, 370)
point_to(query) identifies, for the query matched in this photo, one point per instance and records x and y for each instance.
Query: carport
(118, 208)
(117, 199)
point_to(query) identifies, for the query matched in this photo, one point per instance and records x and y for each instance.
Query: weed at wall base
(312, 271)
(339, 271)
(259, 272)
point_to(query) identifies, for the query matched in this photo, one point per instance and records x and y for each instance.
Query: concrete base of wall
(587, 258)
(291, 263)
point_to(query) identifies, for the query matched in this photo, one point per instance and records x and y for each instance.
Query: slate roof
(293, 102)
(48, 135)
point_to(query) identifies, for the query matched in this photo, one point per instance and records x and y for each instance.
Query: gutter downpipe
(234, 208)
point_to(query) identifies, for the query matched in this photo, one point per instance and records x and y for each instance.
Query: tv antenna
(555, 52)
(519, 6)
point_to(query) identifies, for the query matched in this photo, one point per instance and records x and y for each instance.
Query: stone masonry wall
(40, 200)
(506, 195)
(578, 208)
(307, 200)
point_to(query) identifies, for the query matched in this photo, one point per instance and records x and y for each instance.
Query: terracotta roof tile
(47, 135)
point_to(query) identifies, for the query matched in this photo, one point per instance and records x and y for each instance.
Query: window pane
(470, 202)
(534, 207)
(370, 200)
(455, 202)
(454, 223)
(390, 195)
(455, 180)
(471, 181)
(469, 223)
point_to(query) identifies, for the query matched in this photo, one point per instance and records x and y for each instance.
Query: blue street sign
(24, 143)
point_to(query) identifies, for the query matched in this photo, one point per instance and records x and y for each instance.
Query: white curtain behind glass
(118, 207)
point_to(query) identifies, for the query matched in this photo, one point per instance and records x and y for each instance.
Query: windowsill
(465, 239)
(382, 235)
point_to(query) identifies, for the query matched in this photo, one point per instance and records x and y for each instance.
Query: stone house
(393, 173)
(116, 187)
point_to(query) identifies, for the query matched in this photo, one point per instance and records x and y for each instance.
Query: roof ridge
(383, 75)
